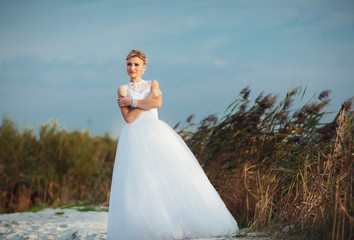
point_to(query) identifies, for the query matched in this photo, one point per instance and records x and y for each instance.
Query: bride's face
(135, 67)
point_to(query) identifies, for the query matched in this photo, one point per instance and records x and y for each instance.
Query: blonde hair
(137, 53)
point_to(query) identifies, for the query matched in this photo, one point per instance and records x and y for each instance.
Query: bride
(158, 190)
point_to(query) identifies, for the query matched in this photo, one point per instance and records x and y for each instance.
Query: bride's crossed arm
(153, 100)
(129, 115)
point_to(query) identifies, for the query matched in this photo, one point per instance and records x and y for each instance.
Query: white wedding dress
(159, 190)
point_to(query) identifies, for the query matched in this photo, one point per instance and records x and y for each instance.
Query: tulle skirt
(159, 190)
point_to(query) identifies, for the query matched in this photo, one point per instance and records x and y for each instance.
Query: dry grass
(275, 166)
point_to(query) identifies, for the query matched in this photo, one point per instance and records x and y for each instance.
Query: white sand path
(70, 224)
(45, 224)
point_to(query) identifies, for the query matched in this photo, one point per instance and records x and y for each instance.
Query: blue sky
(65, 59)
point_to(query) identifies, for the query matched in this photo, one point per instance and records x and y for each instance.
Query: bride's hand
(156, 92)
(124, 102)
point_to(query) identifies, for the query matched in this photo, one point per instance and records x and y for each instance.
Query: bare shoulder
(154, 84)
(122, 91)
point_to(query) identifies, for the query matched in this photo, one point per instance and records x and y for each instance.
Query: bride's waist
(149, 114)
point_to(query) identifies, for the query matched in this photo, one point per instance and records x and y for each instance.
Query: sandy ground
(66, 224)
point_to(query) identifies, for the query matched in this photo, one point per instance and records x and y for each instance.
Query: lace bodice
(140, 91)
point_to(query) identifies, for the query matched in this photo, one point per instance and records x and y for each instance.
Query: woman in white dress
(158, 190)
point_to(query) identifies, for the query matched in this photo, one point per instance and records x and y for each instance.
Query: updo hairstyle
(137, 53)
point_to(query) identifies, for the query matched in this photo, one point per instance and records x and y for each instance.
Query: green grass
(86, 209)
(95, 209)
(75, 205)
(37, 209)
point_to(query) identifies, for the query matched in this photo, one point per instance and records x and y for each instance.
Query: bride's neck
(136, 80)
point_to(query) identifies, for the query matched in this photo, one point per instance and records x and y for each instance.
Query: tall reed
(276, 166)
